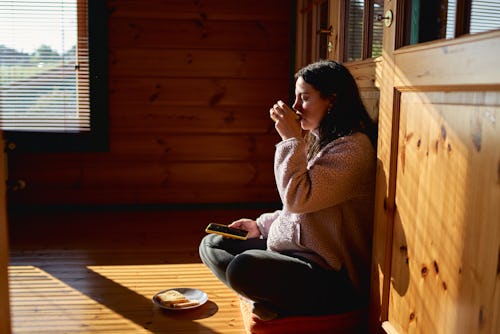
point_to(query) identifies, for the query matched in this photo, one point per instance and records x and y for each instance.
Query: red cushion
(354, 322)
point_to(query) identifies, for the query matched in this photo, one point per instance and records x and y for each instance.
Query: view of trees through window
(39, 65)
(20, 71)
(35, 62)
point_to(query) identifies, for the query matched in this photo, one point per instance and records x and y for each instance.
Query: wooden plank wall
(366, 73)
(190, 86)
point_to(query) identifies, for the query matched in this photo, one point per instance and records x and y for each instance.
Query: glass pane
(435, 20)
(355, 30)
(323, 25)
(485, 16)
(378, 28)
(450, 19)
(428, 21)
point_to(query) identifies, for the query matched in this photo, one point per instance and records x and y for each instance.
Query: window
(314, 31)
(51, 74)
(352, 30)
(485, 16)
(362, 29)
(338, 29)
(449, 19)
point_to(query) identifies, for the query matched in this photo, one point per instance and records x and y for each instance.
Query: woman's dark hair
(348, 114)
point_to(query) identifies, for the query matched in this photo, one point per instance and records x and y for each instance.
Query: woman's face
(309, 105)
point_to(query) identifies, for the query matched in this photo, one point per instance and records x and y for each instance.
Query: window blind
(355, 30)
(485, 16)
(44, 67)
(378, 28)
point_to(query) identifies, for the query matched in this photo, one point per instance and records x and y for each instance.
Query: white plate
(189, 293)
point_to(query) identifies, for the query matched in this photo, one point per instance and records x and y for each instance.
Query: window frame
(307, 27)
(462, 17)
(95, 140)
(312, 34)
(367, 36)
(461, 22)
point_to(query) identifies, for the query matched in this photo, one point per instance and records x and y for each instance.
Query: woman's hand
(286, 121)
(247, 224)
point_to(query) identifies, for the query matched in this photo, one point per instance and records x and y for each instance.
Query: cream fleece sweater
(327, 214)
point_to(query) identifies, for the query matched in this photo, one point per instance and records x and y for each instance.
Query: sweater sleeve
(332, 177)
(265, 220)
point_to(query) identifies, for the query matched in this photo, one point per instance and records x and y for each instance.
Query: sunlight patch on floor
(81, 298)
(40, 302)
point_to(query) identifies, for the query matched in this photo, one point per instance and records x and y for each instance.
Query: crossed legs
(285, 284)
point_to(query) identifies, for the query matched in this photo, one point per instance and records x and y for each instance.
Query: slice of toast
(192, 302)
(172, 297)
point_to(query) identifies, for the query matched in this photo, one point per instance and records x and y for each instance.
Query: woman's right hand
(286, 121)
(248, 225)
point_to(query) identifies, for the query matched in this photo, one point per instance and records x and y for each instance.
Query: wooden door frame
(4, 249)
(388, 124)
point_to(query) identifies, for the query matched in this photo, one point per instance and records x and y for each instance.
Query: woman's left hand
(286, 121)
(249, 225)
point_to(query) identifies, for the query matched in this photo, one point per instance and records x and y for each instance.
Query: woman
(313, 255)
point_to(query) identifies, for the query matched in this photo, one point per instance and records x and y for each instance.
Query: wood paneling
(447, 233)
(131, 182)
(197, 63)
(266, 33)
(4, 249)
(209, 92)
(190, 86)
(152, 119)
(366, 73)
(437, 232)
(220, 10)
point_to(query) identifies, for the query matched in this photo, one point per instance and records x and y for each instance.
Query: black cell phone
(227, 231)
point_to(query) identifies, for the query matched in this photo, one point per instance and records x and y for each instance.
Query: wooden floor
(95, 272)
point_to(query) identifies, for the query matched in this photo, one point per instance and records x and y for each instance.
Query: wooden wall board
(190, 86)
(446, 229)
(154, 174)
(449, 65)
(141, 62)
(366, 73)
(221, 10)
(196, 33)
(135, 118)
(151, 147)
(116, 196)
(209, 92)
(197, 147)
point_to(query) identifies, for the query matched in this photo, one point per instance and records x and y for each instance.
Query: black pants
(285, 284)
